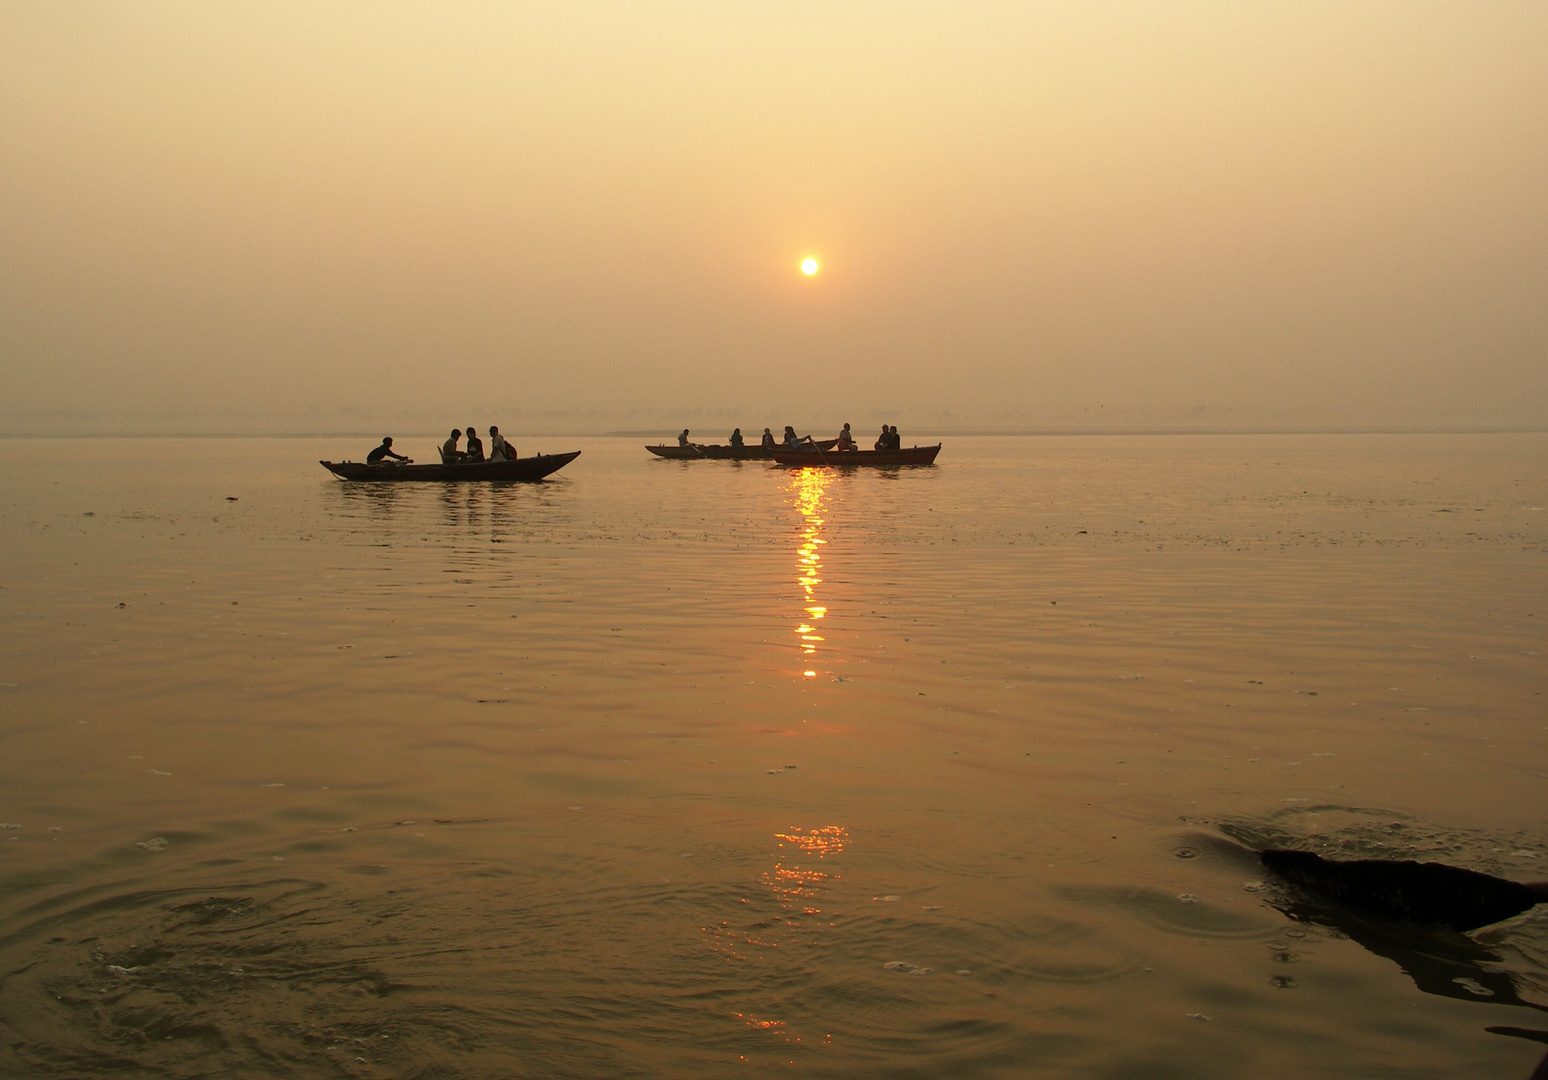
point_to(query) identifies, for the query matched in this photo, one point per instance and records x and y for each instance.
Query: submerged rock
(1426, 893)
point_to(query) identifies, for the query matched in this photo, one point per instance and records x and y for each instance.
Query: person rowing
(794, 441)
(375, 457)
(682, 440)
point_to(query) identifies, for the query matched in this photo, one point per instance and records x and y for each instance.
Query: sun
(808, 266)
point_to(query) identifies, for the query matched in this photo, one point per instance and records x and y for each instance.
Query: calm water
(707, 769)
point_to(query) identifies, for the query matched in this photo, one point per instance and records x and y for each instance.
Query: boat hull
(529, 468)
(716, 452)
(853, 459)
(712, 453)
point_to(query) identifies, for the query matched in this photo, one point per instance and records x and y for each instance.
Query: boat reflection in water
(809, 487)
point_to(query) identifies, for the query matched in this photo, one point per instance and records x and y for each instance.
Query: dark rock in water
(1425, 893)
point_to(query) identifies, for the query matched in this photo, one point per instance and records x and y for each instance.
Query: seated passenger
(846, 439)
(475, 450)
(791, 440)
(450, 455)
(736, 438)
(883, 440)
(768, 439)
(385, 451)
(499, 449)
(894, 440)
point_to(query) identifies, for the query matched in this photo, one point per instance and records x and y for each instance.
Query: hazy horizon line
(671, 433)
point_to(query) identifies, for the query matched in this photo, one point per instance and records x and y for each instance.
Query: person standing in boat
(736, 439)
(499, 449)
(475, 450)
(768, 439)
(846, 439)
(385, 451)
(450, 455)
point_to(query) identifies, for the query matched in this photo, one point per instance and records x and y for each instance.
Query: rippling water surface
(666, 769)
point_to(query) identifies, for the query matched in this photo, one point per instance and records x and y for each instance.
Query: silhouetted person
(475, 450)
(736, 438)
(682, 440)
(799, 442)
(894, 440)
(384, 451)
(499, 449)
(450, 455)
(846, 439)
(768, 439)
(882, 440)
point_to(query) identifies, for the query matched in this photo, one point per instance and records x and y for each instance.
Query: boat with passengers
(827, 458)
(535, 467)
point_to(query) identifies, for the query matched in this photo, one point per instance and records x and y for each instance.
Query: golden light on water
(810, 487)
(808, 266)
(822, 842)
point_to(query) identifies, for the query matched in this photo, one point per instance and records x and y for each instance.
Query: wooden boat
(717, 452)
(527, 468)
(849, 459)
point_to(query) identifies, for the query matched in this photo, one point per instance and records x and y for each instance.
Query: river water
(663, 769)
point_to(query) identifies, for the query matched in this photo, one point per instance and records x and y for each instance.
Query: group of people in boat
(887, 440)
(471, 453)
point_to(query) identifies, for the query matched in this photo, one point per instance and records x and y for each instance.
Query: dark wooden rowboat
(528, 468)
(717, 452)
(849, 459)
(695, 452)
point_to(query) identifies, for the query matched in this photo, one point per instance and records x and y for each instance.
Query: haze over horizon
(278, 217)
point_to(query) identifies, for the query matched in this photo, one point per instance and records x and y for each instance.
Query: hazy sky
(591, 215)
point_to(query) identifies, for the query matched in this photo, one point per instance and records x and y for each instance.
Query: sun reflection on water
(763, 933)
(828, 840)
(795, 886)
(809, 488)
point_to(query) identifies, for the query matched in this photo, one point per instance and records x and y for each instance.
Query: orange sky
(591, 216)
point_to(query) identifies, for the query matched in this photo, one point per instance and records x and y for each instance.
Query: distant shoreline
(670, 434)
